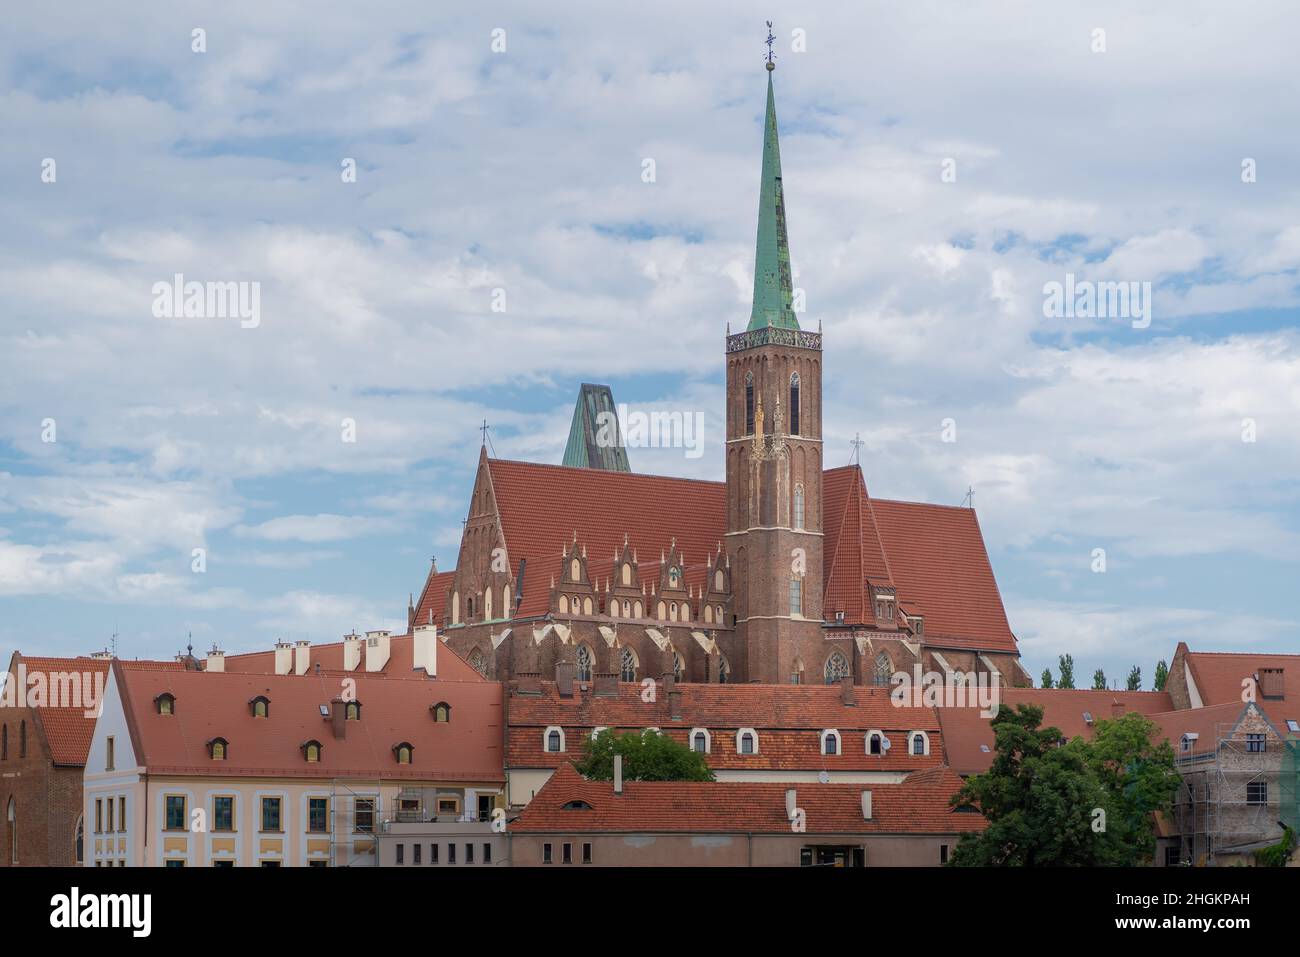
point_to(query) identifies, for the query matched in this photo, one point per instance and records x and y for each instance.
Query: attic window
(985, 748)
(311, 751)
(441, 712)
(260, 707)
(403, 752)
(352, 711)
(1293, 725)
(1087, 717)
(166, 703)
(217, 749)
(577, 805)
(1189, 740)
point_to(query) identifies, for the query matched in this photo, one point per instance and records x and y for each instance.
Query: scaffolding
(347, 833)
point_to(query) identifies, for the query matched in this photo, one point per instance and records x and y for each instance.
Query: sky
(502, 241)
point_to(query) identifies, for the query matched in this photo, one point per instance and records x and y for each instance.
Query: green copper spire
(772, 287)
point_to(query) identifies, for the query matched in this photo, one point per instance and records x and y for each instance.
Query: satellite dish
(824, 777)
(884, 744)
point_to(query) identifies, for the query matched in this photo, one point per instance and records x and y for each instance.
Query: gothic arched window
(80, 849)
(749, 403)
(584, 663)
(477, 661)
(798, 506)
(724, 671)
(883, 670)
(837, 668)
(627, 665)
(678, 666)
(794, 404)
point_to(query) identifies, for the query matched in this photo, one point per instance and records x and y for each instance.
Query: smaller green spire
(773, 294)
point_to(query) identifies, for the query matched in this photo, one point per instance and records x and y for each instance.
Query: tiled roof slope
(919, 805)
(432, 604)
(68, 730)
(965, 730)
(401, 661)
(217, 705)
(1206, 723)
(934, 554)
(1219, 675)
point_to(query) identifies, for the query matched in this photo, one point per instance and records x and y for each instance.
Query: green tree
(646, 757)
(1162, 675)
(1047, 678)
(1067, 672)
(1085, 803)
(1099, 680)
(1135, 679)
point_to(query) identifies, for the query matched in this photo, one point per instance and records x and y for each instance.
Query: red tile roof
(209, 705)
(919, 805)
(1219, 677)
(68, 731)
(1206, 723)
(789, 720)
(401, 661)
(934, 554)
(432, 603)
(966, 733)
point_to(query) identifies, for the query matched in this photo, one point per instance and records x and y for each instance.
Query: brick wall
(47, 799)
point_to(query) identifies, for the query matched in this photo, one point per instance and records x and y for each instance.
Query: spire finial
(771, 57)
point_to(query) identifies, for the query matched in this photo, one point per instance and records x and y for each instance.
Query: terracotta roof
(401, 661)
(432, 603)
(1206, 723)
(966, 733)
(1219, 676)
(68, 731)
(213, 704)
(934, 554)
(789, 720)
(919, 805)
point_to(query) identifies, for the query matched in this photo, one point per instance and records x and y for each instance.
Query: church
(785, 573)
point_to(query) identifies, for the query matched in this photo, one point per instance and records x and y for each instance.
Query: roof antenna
(855, 457)
(969, 500)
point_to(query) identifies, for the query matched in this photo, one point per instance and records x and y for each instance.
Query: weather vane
(771, 38)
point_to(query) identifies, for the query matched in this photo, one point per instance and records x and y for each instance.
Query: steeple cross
(771, 38)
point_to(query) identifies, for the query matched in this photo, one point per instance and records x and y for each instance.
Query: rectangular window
(175, 813)
(318, 863)
(1173, 855)
(270, 863)
(108, 754)
(363, 814)
(223, 863)
(586, 853)
(469, 853)
(1256, 743)
(546, 853)
(271, 814)
(1257, 792)
(99, 815)
(487, 853)
(173, 863)
(451, 853)
(401, 854)
(111, 829)
(318, 810)
(796, 596)
(223, 813)
(433, 853)
(415, 853)
(568, 853)
(121, 814)
(943, 853)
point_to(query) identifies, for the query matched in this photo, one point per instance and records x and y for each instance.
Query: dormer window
(875, 743)
(441, 712)
(576, 805)
(311, 752)
(217, 749)
(352, 711)
(553, 740)
(919, 743)
(674, 576)
(830, 742)
(747, 741)
(403, 752)
(166, 703)
(700, 741)
(260, 707)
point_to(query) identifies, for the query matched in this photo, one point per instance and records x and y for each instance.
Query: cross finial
(484, 429)
(771, 57)
(857, 444)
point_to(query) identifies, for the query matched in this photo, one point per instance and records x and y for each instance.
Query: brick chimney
(1117, 708)
(606, 683)
(674, 696)
(618, 774)
(283, 658)
(301, 657)
(846, 692)
(527, 682)
(339, 718)
(1271, 684)
(564, 678)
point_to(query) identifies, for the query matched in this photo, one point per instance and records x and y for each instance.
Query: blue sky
(522, 170)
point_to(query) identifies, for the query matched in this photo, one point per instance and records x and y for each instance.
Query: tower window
(796, 597)
(794, 404)
(749, 403)
(837, 668)
(798, 506)
(584, 663)
(627, 665)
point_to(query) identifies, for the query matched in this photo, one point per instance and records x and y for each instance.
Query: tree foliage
(646, 757)
(1162, 675)
(1135, 679)
(1099, 680)
(1067, 672)
(1085, 803)
(1046, 681)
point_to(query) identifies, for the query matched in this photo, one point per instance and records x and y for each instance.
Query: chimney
(283, 657)
(301, 657)
(424, 649)
(351, 651)
(527, 682)
(104, 655)
(790, 804)
(606, 683)
(1117, 709)
(564, 678)
(339, 718)
(618, 774)
(216, 660)
(866, 805)
(846, 692)
(1271, 684)
(674, 701)
(376, 650)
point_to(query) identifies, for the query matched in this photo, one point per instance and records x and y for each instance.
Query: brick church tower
(774, 459)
